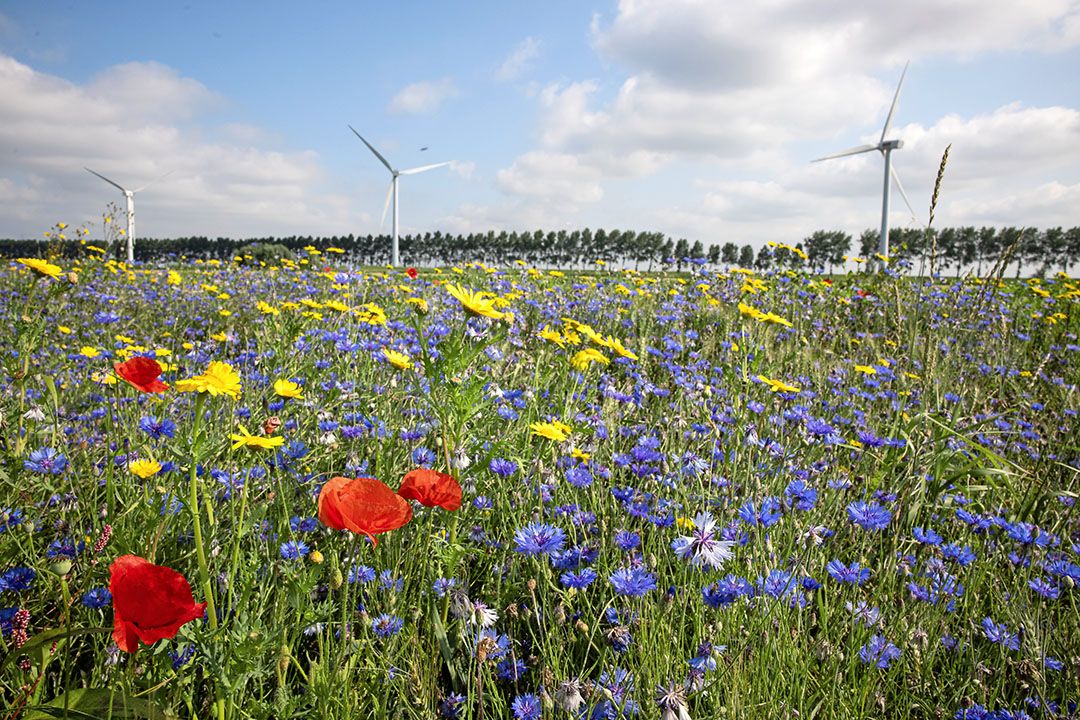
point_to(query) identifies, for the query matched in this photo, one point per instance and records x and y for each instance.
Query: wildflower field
(236, 490)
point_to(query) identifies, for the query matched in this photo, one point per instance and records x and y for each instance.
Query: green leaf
(41, 643)
(97, 704)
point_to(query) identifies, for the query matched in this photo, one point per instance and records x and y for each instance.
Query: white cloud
(556, 178)
(133, 123)
(723, 101)
(464, 170)
(520, 59)
(726, 46)
(423, 97)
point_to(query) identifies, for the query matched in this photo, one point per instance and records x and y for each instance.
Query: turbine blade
(115, 185)
(849, 151)
(386, 205)
(892, 108)
(900, 187)
(422, 168)
(154, 181)
(381, 158)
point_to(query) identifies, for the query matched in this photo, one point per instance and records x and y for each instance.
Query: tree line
(947, 249)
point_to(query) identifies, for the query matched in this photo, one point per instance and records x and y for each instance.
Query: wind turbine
(130, 195)
(885, 147)
(392, 191)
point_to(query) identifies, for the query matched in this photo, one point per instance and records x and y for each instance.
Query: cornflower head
(879, 652)
(703, 547)
(869, 516)
(539, 539)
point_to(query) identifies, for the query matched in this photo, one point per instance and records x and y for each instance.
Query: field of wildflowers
(233, 490)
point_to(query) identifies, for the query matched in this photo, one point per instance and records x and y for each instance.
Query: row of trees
(950, 249)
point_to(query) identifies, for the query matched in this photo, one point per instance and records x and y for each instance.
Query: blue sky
(693, 118)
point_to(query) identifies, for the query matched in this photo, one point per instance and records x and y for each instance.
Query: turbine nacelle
(885, 147)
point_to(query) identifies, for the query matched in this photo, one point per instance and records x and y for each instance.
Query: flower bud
(60, 568)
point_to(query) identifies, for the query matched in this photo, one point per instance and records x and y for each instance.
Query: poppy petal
(150, 602)
(364, 506)
(431, 489)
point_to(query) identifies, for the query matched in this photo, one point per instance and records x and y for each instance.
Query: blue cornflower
(1045, 588)
(579, 477)
(387, 581)
(361, 574)
(778, 584)
(97, 598)
(853, 573)
(539, 539)
(960, 554)
(724, 592)
(1063, 568)
(293, 550)
(157, 429)
(869, 516)
(17, 579)
(627, 540)
(180, 658)
(879, 652)
(526, 707)
(863, 612)
(47, 461)
(66, 547)
(9, 518)
(503, 468)
(442, 585)
(927, 536)
(303, 525)
(423, 457)
(578, 580)
(766, 514)
(387, 625)
(295, 450)
(511, 669)
(1000, 634)
(632, 582)
(7, 615)
(482, 502)
(501, 643)
(703, 547)
(800, 496)
(449, 708)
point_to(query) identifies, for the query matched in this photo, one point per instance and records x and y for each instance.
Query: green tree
(746, 256)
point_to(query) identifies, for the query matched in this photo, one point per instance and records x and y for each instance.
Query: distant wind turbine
(392, 191)
(885, 147)
(130, 195)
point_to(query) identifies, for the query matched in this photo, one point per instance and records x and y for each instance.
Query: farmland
(718, 493)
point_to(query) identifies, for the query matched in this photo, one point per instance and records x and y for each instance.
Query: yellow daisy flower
(219, 379)
(288, 389)
(246, 439)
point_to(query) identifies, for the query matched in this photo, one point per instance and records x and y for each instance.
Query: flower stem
(193, 505)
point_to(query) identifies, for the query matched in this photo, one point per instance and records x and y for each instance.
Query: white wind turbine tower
(130, 195)
(392, 191)
(885, 147)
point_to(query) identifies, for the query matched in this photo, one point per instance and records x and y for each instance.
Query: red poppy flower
(150, 602)
(411, 272)
(431, 488)
(364, 506)
(141, 373)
